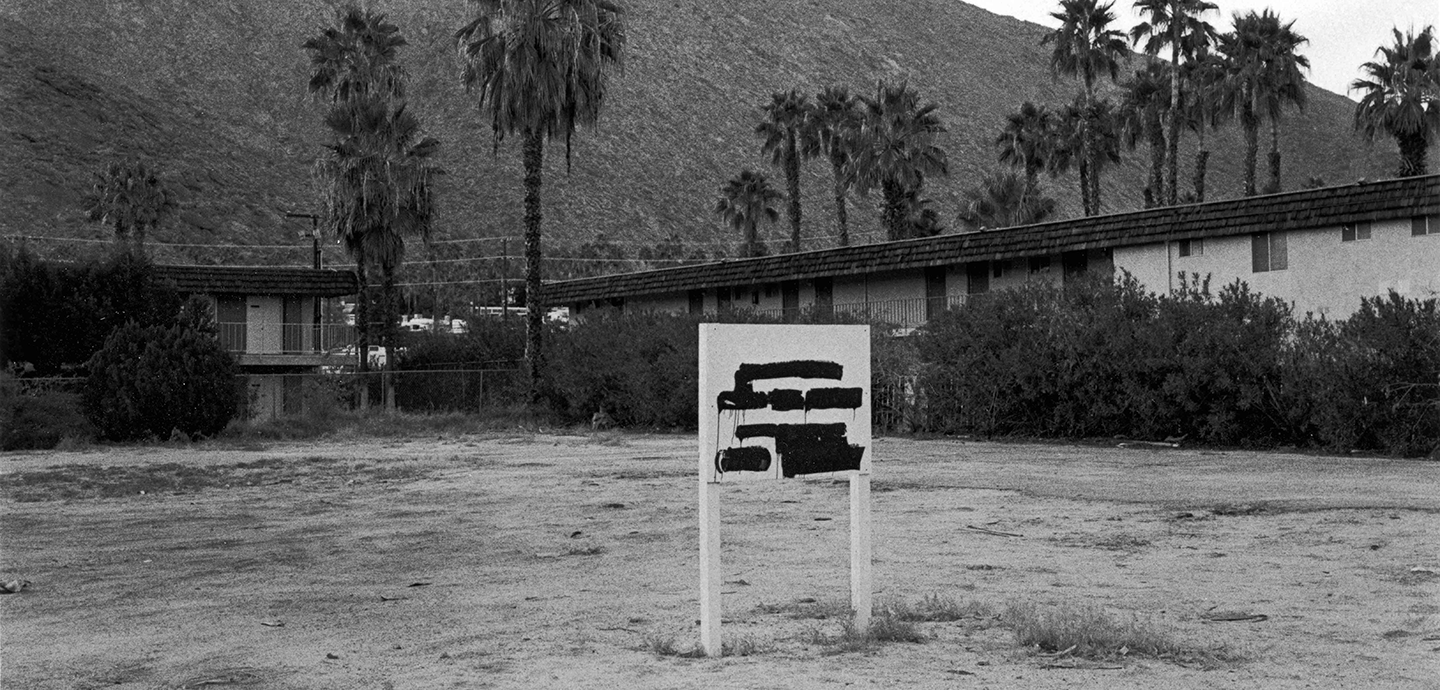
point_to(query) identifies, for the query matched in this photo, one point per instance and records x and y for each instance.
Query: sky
(1343, 33)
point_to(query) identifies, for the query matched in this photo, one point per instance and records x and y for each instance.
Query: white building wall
(1323, 274)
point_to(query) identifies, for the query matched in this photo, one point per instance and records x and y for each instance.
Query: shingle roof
(260, 280)
(1311, 208)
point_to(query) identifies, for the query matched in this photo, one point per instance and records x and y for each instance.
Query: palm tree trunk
(1086, 160)
(792, 186)
(1157, 164)
(840, 218)
(1250, 122)
(893, 210)
(362, 326)
(1413, 149)
(534, 154)
(387, 334)
(1202, 158)
(1274, 185)
(1173, 151)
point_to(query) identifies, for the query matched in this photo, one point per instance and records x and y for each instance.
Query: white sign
(780, 402)
(783, 401)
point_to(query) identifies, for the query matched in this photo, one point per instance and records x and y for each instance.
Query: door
(293, 325)
(790, 300)
(824, 297)
(263, 316)
(934, 292)
(230, 319)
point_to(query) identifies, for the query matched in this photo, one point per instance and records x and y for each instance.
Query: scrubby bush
(150, 380)
(1371, 381)
(1102, 358)
(642, 369)
(41, 421)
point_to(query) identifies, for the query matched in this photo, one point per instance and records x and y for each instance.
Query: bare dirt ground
(533, 561)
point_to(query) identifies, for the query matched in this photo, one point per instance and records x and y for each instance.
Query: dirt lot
(532, 561)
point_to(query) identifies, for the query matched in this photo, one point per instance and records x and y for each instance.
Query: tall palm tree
(540, 68)
(895, 151)
(130, 197)
(1076, 124)
(1262, 76)
(1175, 23)
(1086, 47)
(1004, 200)
(744, 201)
(787, 137)
(1402, 97)
(1146, 102)
(353, 66)
(835, 122)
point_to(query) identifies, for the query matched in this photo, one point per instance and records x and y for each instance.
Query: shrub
(149, 380)
(1373, 380)
(42, 421)
(643, 369)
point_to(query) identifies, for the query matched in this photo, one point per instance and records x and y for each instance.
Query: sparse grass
(936, 608)
(885, 626)
(82, 481)
(1088, 632)
(662, 644)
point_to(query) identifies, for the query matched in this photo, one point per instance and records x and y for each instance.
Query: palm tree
(380, 189)
(540, 68)
(833, 127)
(1262, 76)
(895, 150)
(1204, 80)
(350, 62)
(1004, 200)
(744, 201)
(1146, 102)
(1076, 124)
(1402, 97)
(1086, 46)
(131, 198)
(1176, 23)
(787, 137)
(1026, 140)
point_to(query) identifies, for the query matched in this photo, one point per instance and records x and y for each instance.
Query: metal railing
(908, 312)
(285, 338)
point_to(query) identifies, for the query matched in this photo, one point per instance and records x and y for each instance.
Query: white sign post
(780, 402)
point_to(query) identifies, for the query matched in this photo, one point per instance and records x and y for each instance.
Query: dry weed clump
(1088, 632)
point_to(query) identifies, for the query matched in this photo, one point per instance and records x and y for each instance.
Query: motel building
(1321, 250)
(273, 319)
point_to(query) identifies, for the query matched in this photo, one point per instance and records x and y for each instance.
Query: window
(1192, 247)
(1267, 252)
(1001, 267)
(1352, 232)
(1039, 264)
(1421, 225)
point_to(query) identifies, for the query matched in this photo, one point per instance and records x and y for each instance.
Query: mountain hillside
(214, 94)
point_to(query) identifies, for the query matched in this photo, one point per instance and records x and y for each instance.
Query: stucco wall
(1324, 275)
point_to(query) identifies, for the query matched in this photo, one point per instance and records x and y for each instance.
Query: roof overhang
(1311, 208)
(259, 280)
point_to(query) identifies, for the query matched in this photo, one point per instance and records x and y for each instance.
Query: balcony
(284, 344)
(906, 313)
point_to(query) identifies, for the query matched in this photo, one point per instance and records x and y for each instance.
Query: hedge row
(1229, 368)
(1093, 359)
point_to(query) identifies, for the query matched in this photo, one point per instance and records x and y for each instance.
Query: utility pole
(317, 345)
(504, 273)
